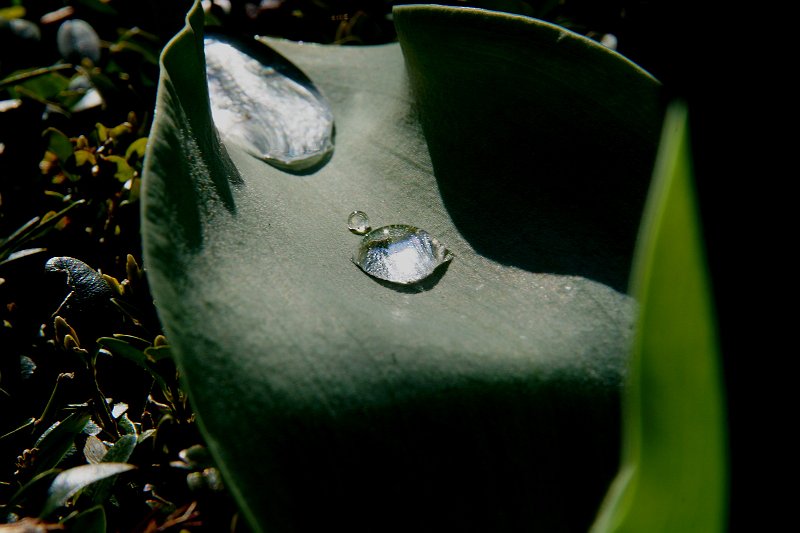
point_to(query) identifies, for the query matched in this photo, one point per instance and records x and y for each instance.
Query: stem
(51, 401)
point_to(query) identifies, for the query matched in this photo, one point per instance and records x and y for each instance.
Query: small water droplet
(400, 254)
(358, 222)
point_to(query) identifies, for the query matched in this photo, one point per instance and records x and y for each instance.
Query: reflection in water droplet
(267, 109)
(400, 254)
(358, 222)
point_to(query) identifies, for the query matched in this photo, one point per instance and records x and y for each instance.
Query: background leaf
(484, 398)
(673, 476)
(92, 520)
(69, 482)
(58, 440)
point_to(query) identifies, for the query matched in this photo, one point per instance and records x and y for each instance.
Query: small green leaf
(674, 471)
(120, 130)
(101, 133)
(126, 426)
(84, 157)
(92, 520)
(124, 172)
(125, 349)
(120, 452)
(69, 482)
(157, 353)
(42, 84)
(59, 144)
(58, 440)
(137, 147)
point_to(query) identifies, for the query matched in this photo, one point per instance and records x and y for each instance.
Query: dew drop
(400, 254)
(358, 222)
(263, 103)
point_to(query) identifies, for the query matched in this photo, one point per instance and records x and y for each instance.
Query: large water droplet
(400, 254)
(264, 104)
(358, 222)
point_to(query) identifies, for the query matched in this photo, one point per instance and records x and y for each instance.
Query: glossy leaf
(120, 452)
(69, 482)
(57, 441)
(483, 398)
(673, 476)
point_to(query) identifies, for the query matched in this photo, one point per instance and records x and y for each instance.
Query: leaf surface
(485, 397)
(69, 482)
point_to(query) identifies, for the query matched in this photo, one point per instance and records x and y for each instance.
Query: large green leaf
(673, 475)
(485, 398)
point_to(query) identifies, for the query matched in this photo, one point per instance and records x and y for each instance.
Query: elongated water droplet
(358, 222)
(264, 104)
(400, 254)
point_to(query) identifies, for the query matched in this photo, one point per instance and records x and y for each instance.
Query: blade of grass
(674, 468)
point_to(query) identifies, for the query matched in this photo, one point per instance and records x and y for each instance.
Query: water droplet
(358, 222)
(400, 254)
(263, 103)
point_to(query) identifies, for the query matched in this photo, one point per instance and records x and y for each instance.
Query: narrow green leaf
(673, 476)
(92, 520)
(42, 83)
(69, 482)
(30, 74)
(124, 349)
(57, 441)
(35, 487)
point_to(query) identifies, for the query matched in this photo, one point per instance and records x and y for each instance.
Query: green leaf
(136, 148)
(124, 171)
(674, 471)
(485, 398)
(69, 482)
(92, 520)
(43, 84)
(38, 484)
(124, 349)
(58, 440)
(120, 452)
(59, 144)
